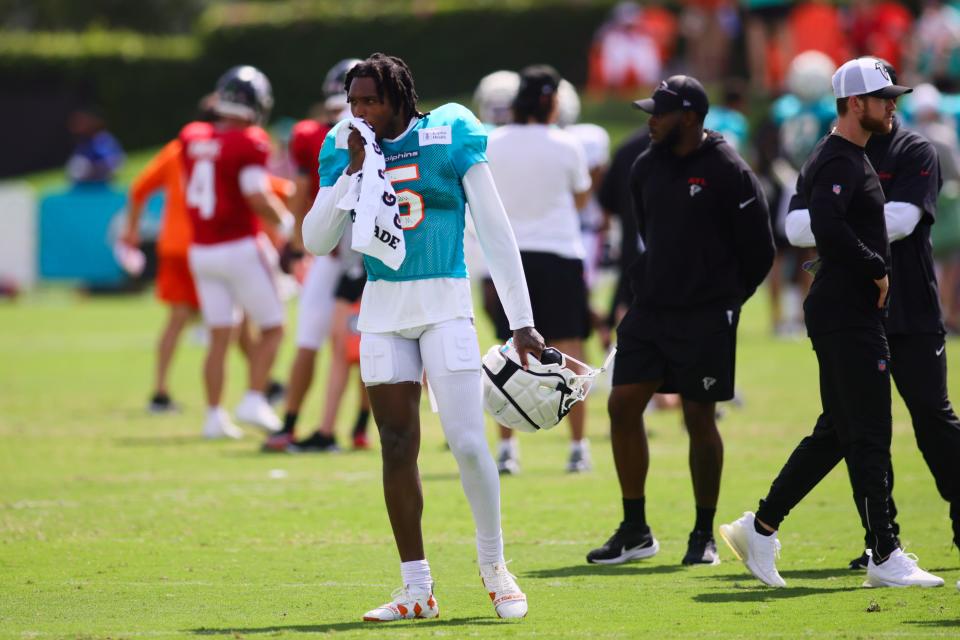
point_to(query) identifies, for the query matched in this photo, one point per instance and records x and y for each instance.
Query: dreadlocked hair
(393, 79)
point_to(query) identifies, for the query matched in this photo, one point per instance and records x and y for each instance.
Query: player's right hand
(357, 152)
(528, 340)
(884, 285)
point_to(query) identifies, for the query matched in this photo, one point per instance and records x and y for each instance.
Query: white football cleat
(219, 425)
(758, 552)
(408, 603)
(254, 409)
(899, 570)
(501, 585)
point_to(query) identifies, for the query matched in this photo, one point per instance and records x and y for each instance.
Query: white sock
(489, 549)
(416, 573)
(580, 445)
(214, 412)
(510, 445)
(252, 395)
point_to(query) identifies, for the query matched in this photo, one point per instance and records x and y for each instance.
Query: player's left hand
(528, 340)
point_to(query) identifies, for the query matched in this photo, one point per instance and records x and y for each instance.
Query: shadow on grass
(934, 623)
(796, 574)
(603, 570)
(157, 441)
(343, 626)
(763, 594)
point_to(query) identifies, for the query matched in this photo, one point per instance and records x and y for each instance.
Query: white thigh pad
(387, 358)
(450, 347)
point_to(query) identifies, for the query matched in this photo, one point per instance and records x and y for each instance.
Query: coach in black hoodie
(705, 227)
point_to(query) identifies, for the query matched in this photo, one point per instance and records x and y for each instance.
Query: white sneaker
(579, 460)
(254, 409)
(219, 425)
(758, 552)
(408, 602)
(508, 460)
(899, 570)
(501, 585)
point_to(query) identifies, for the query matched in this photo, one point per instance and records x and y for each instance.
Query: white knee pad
(386, 358)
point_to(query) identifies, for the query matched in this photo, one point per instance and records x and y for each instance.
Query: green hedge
(148, 86)
(448, 52)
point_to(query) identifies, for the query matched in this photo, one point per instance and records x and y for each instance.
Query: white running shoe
(501, 585)
(408, 603)
(899, 570)
(254, 409)
(758, 552)
(219, 425)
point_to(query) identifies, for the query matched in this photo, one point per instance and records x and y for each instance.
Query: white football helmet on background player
(568, 104)
(809, 76)
(494, 97)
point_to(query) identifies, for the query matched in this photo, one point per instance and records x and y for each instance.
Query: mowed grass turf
(117, 524)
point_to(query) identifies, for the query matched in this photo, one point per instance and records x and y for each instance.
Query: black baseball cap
(674, 94)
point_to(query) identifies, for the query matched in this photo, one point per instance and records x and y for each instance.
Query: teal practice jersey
(426, 167)
(729, 123)
(802, 124)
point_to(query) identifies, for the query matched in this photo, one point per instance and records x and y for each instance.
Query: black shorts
(692, 352)
(558, 295)
(350, 287)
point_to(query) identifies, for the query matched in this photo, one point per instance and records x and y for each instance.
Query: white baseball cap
(865, 76)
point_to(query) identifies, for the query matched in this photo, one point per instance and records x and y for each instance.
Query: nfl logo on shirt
(881, 365)
(837, 188)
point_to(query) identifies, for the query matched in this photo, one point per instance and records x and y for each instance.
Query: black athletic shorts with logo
(693, 352)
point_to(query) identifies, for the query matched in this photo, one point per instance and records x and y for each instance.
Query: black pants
(919, 367)
(855, 426)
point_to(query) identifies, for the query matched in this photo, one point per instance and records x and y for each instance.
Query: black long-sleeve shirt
(909, 171)
(705, 227)
(846, 216)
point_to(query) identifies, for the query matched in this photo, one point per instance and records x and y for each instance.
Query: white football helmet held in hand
(539, 397)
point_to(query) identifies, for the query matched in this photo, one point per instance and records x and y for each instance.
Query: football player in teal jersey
(419, 317)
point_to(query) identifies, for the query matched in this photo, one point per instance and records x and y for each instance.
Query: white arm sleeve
(324, 223)
(798, 229)
(498, 244)
(254, 179)
(902, 219)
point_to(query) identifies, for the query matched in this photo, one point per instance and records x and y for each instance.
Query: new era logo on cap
(865, 76)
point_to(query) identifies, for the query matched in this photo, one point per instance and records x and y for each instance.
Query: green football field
(117, 524)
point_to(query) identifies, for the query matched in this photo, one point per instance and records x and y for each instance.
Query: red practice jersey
(305, 142)
(213, 158)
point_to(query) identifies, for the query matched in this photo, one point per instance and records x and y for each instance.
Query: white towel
(376, 217)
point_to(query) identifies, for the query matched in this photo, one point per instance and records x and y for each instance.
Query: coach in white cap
(844, 315)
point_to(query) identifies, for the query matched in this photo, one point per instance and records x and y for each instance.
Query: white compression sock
(416, 573)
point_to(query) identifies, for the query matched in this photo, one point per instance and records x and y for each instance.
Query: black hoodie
(705, 227)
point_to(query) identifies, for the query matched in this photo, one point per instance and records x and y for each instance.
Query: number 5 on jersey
(412, 200)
